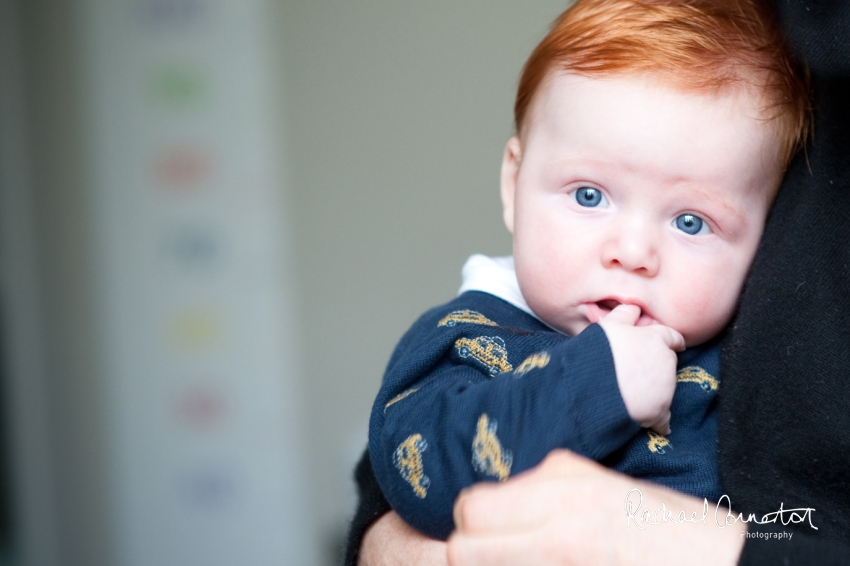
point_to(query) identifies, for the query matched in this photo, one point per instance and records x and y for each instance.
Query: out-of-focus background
(217, 217)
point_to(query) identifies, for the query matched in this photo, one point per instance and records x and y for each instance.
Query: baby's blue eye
(691, 224)
(589, 197)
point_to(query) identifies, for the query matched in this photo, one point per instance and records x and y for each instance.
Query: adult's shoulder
(784, 398)
(817, 31)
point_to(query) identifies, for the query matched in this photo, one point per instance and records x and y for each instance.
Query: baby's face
(624, 190)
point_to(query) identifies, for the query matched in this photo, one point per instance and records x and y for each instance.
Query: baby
(651, 137)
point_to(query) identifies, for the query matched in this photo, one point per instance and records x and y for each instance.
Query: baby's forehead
(745, 93)
(628, 125)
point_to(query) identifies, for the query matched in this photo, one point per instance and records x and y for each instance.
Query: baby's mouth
(600, 309)
(608, 305)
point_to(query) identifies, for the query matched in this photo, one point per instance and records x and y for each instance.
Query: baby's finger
(662, 425)
(672, 338)
(623, 314)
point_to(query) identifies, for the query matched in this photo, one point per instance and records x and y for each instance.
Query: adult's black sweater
(785, 403)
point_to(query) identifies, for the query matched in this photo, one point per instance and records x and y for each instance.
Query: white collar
(495, 276)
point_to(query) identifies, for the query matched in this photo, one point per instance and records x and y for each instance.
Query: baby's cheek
(703, 310)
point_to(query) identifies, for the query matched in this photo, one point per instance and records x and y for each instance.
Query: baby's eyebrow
(718, 200)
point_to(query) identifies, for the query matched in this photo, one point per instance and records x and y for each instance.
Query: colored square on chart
(175, 14)
(208, 488)
(200, 407)
(178, 87)
(196, 331)
(183, 169)
(193, 250)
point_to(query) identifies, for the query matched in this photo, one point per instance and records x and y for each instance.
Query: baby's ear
(510, 169)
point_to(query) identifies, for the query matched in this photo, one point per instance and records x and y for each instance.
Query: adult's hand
(392, 542)
(570, 510)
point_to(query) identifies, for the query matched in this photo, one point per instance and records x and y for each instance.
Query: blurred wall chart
(217, 217)
(190, 277)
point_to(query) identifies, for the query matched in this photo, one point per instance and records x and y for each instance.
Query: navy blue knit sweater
(478, 390)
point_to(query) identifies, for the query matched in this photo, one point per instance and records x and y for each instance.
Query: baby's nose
(633, 249)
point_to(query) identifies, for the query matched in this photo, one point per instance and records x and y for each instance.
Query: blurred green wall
(395, 117)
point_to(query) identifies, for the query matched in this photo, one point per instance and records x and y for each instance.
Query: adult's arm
(392, 542)
(378, 536)
(570, 510)
(371, 506)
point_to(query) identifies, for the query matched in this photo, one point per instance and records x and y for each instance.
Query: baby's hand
(645, 361)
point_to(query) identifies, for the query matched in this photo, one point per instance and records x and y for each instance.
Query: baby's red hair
(699, 45)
